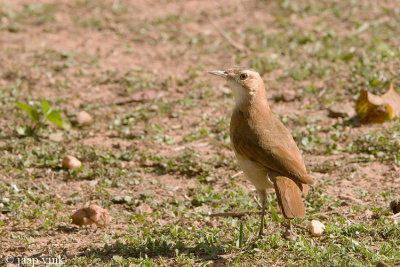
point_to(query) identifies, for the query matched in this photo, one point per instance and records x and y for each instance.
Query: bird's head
(245, 84)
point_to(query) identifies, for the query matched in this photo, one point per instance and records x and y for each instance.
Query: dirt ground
(168, 148)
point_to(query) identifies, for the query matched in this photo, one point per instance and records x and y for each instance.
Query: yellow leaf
(376, 109)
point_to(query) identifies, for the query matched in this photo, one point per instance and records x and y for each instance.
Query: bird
(264, 147)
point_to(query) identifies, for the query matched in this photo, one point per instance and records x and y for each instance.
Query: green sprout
(39, 118)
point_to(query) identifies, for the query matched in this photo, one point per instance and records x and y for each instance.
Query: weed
(39, 118)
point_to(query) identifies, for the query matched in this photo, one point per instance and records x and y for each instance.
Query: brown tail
(289, 198)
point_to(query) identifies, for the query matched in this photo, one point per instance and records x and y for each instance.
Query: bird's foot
(290, 235)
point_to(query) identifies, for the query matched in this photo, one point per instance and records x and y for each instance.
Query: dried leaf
(376, 109)
(92, 214)
(392, 97)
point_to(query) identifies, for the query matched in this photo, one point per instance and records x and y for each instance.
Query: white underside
(255, 172)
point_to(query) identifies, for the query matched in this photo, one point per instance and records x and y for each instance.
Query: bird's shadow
(154, 249)
(67, 229)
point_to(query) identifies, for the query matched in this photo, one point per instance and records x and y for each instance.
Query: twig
(300, 226)
(395, 216)
(234, 44)
(232, 214)
(237, 174)
(127, 100)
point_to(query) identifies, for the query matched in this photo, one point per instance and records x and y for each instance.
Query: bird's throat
(240, 94)
(249, 101)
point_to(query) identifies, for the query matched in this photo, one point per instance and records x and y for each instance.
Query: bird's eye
(243, 76)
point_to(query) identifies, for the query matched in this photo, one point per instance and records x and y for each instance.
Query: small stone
(342, 110)
(127, 199)
(316, 228)
(84, 118)
(92, 214)
(288, 95)
(118, 200)
(395, 205)
(121, 199)
(70, 162)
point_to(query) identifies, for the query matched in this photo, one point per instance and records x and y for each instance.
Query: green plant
(39, 118)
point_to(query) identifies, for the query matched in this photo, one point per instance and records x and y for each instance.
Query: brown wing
(289, 198)
(279, 152)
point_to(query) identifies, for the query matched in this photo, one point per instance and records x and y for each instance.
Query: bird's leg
(262, 219)
(263, 198)
(290, 228)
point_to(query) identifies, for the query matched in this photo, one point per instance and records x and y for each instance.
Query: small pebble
(92, 214)
(316, 228)
(70, 162)
(288, 95)
(84, 118)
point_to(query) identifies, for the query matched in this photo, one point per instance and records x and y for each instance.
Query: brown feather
(304, 188)
(289, 198)
(269, 143)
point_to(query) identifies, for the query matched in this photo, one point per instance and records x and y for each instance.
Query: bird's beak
(220, 73)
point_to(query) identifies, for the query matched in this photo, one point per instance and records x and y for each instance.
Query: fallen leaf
(92, 214)
(376, 109)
